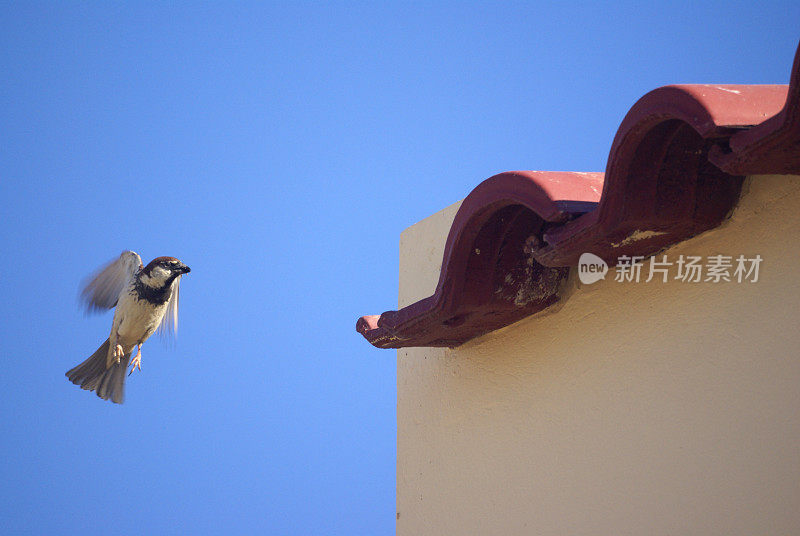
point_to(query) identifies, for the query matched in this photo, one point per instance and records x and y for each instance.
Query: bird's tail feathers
(93, 375)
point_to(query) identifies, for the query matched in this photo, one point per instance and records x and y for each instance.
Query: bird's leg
(117, 351)
(137, 359)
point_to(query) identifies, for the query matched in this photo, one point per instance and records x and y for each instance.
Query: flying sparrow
(146, 300)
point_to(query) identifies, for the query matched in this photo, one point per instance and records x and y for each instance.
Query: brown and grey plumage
(146, 300)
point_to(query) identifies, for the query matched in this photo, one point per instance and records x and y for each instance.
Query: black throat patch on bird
(156, 296)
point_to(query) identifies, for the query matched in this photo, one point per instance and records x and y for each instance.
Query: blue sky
(278, 149)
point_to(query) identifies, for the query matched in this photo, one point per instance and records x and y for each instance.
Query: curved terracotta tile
(489, 278)
(660, 187)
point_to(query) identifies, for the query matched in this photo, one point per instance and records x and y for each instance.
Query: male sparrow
(146, 300)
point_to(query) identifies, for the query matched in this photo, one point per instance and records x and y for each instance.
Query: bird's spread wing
(169, 324)
(101, 290)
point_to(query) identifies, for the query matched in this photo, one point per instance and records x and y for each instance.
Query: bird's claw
(118, 353)
(136, 362)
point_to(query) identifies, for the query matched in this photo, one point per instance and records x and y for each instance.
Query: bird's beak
(185, 269)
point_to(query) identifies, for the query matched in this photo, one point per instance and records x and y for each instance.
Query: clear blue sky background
(279, 150)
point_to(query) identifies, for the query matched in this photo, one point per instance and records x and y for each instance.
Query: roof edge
(675, 169)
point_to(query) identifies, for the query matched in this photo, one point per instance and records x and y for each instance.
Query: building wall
(638, 408)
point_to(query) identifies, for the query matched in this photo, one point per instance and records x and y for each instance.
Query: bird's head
(162, 271)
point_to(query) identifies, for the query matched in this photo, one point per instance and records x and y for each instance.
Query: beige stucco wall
(643, 409)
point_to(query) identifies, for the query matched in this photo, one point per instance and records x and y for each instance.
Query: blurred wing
(102, 290)
(169, 324)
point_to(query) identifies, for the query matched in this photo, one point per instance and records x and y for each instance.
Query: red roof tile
(675, 169)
